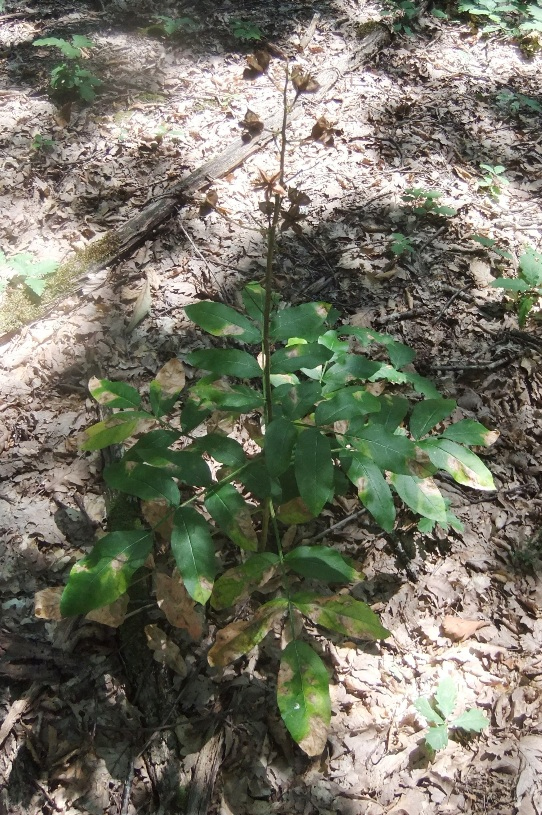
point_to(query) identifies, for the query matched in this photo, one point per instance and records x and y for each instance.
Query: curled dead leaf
(258, 62)
(47, 603)
(458, 629)
(302, 80)
(166, 652)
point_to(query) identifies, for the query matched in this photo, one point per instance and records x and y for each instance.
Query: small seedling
(425, 202)
(491, 244)
(439, 710)
(24, 268)
(516, 103)
(493, 181)
(40, 142)
(70, 78)
(407, 16)
(171, 26)
(526, 289)
(401, 244)
(245, 31)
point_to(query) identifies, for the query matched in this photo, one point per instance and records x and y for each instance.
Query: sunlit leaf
(226, 362)
(106, 572)
(114, 394)
(165, 388)
(388, 451)
(304, 321)
(446, 696)
(342, 613)
(373, 489)
(472, 720)
(303, 697)
(463, 465)
(115, 429)
(346, 404)
(423, 706)
(194, 552)
(422, 496)
(301, 355)
(242, 636)
(436, 736)
(467, 431)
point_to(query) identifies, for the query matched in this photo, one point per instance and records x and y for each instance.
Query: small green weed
(42, 143)
(171, 26)
(24, 268)
(526, 288)
(68, 80)
(245, 31)
(438, 712)
(425, 202)
(513, 18)
(494, 179)
(491, 244)
(515, 103)
(401, 244)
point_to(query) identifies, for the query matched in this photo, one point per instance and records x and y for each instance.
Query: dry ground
(94, 725)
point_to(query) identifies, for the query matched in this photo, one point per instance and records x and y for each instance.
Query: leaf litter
(467, 604)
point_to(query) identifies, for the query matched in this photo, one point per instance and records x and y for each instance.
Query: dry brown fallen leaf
(165, 650)
(177, 604)
(47, 603)
(458, 629)
(171, 377)
(112, 615)
(159, 515)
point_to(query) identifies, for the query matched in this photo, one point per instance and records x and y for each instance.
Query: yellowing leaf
(303, 697)
(242, 636)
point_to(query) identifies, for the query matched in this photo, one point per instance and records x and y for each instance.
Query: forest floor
(91, 724)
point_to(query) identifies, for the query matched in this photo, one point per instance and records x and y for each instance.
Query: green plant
(516, 103)
(407, 14)
(493, 181)
(69, 78)
(243, 30)
(425, 202)
(401, 244)
(511, 17)
(298, 385)
(526, 288)
(40, 142)
(172, 26)
(438, 712)
(24, 268)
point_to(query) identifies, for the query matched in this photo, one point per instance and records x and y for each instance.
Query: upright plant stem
(268, 287)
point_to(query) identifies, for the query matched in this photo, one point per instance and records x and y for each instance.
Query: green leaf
(530, 264)
(222, 321)
(143, 481)
(429, 413)
(393, 410)
(80, 41)
(223, 396)
(192, 415)
(524, 307)
(255, 476)
(462, 464)
(342, 613)
(314, 469)
(436, 737)
(352, 368)
(446, 696)
(186, 465)
(303, 697)
(254, 301)
(304, 321)
(423, 706)
(114, 430)
(388, 451)
(511, 284)
(194, 553)
(398, 353)
(321, 563)
(222, 448)
(114, 394)
(153, 442)
(280, 437)
(106, 572)
(346, 404)
(472, 720)
(373, 489)
(300, 355)
(422, 496)
(237, 584)
(240, 637)
(65, 47)
(467, 431)
(226, 362)
(297, 400)
(232, 514)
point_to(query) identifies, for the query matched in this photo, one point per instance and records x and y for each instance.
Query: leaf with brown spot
(341, 613)
(303, 697)
(112, 615)
(459, 629)
(238, 583)
(177, 604)
(242, 636)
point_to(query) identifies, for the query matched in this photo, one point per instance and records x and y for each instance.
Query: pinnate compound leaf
(373, 489)
(242, 636)
(106, 572)
(226, 362)
(446, 696)
(238, 583)
(346, 404)
(436, 736)
(422, 496)
(148, 483)
(429, 413)
(314, 469)
(321, 563)
(177, 604)
(223, 321)
(342, 613)
(467, 431)
(472, 720)
(194, 553)
(303, 697)
(304, 321)
(280, 437)
(114, 394)
(232, 514)
(114, 430)
(423, 706)
(461, 463)
(387, 450)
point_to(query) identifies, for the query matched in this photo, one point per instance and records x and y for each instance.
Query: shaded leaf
(314, 469)
(393, 410)
(242, 636)
(114, 430)
(387, 450)
(304, 321)
(238, 583)
(303, 697)
(301, 355)
(280, 437)
(177, 604)
(342, 613)
(143, 481)
(223, 321)
(429, 413)
(297, 400)
(373, 489)
(321, 563)
(194, 552)
(294, 511)
(346, 404)
(232, 514)
(222, 448)
(113, 614)
(106, 572)
(254, 301)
